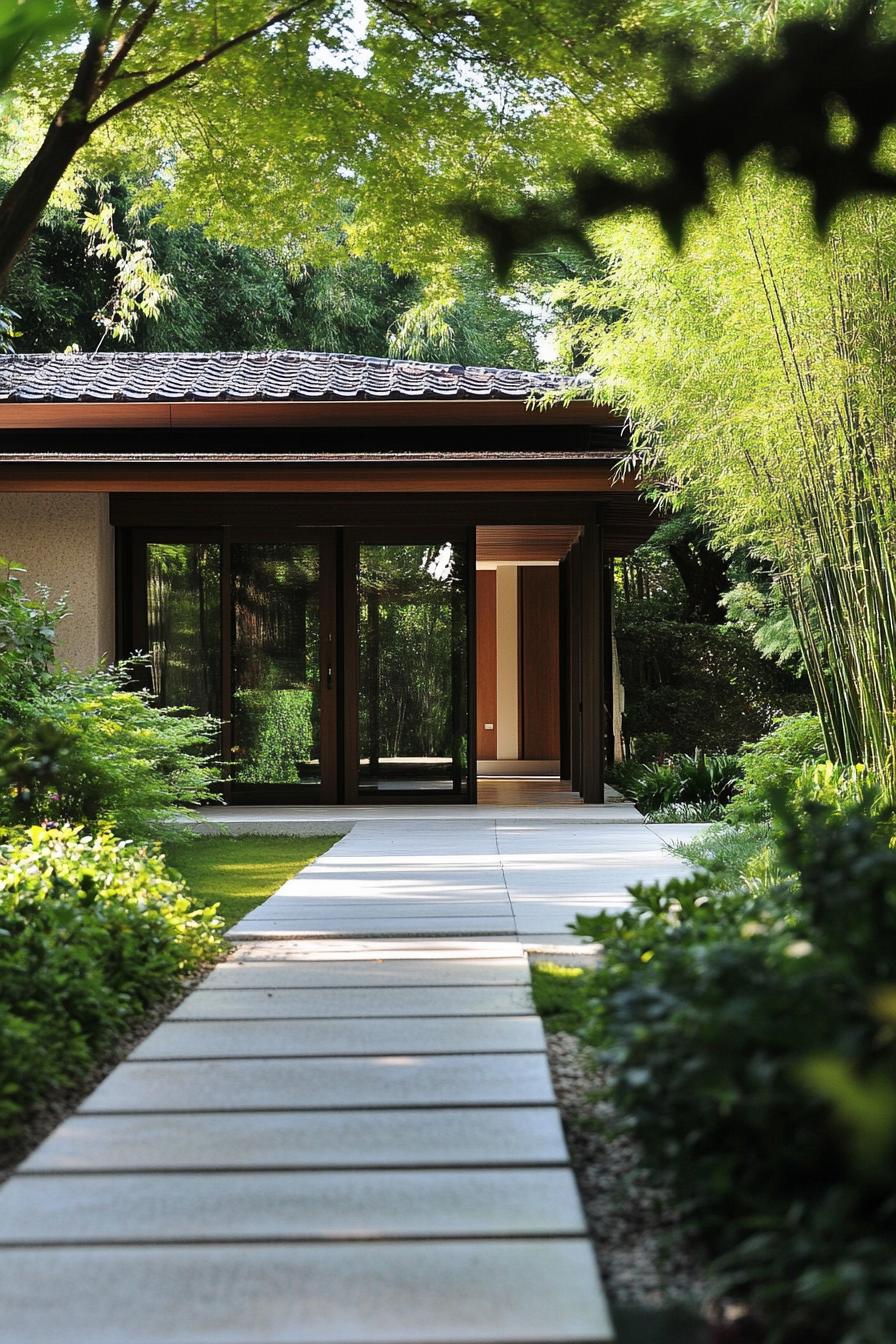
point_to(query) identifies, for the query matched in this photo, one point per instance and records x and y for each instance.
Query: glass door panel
(275, 664)
(412, 668)
(183, 623)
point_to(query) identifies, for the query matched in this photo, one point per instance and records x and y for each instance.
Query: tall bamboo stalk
(835, 519)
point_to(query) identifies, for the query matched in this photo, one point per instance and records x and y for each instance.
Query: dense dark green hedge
(93, 932)
(693, 686)
(749, 1028)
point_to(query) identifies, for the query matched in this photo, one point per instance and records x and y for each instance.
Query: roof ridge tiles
(261, 375)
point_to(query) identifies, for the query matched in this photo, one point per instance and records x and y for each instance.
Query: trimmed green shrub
(93, 932)
(749, 1029)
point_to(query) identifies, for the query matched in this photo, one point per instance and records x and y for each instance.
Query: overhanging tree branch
(71, 127)
(783, 104)
(125, 45)
(91, 59)
(198, 63)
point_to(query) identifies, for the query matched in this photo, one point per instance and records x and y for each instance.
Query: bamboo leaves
(761, 362)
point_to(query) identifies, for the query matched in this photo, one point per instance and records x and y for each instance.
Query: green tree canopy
(250, 119)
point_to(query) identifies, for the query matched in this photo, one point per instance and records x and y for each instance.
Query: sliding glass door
(410, 668)
(326, 689)
(183, 623)
(244, 629)
(275, 664)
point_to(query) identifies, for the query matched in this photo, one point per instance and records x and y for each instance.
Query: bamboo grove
(759, 368)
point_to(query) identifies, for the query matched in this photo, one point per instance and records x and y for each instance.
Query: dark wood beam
(251, 415)
(544, 476)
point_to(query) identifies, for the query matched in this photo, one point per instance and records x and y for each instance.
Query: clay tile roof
(276, 375)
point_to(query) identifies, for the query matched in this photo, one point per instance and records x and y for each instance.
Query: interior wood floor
(519, 791)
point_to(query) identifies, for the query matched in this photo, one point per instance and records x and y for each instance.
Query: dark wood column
(609, 688)
(574, 625)
(592, 787)
(563, 632)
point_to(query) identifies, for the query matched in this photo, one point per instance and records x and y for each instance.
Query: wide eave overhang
(375, 446)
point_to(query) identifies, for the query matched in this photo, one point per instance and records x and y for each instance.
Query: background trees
(250, 118)
(231, 297)
(695, 677)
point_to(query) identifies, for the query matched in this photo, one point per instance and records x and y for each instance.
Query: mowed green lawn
(240, 871)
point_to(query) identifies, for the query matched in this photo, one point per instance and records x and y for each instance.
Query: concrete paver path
(526, 879)
(348, 1132)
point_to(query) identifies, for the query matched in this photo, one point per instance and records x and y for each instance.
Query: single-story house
(387, 579)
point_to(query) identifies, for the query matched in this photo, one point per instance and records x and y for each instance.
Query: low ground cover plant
(561, 994)
(94, 931)
(682, 787)
(747, 1017)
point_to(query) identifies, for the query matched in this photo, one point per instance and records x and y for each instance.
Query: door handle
(330, 660)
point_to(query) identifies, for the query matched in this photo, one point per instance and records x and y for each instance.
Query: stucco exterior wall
(65, 542)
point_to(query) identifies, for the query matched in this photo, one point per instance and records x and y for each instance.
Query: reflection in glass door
(244, 630)
(244, 627)
(412, 668)
(275, 662)
(183, 623)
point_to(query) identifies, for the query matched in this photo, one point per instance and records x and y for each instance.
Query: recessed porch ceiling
(525, 543)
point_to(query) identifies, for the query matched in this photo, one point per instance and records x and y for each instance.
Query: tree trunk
(27, 198)
(704, 573)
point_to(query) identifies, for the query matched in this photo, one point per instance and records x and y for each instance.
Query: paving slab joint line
(226, 1169)
(273, 936)
(280, 1239)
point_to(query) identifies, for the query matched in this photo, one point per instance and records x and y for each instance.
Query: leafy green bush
(749, 1027)
(774, 763)
(699, 780)
(113, 756)
(93, 932)
(83, 746)
(27, 630)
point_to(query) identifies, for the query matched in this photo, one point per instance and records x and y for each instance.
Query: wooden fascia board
(547, 475)
(293, 414)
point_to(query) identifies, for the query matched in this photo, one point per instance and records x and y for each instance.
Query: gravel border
(642, 1249)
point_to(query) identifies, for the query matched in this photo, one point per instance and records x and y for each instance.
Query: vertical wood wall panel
(540, 662)
(486, 665)
(508, 726)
